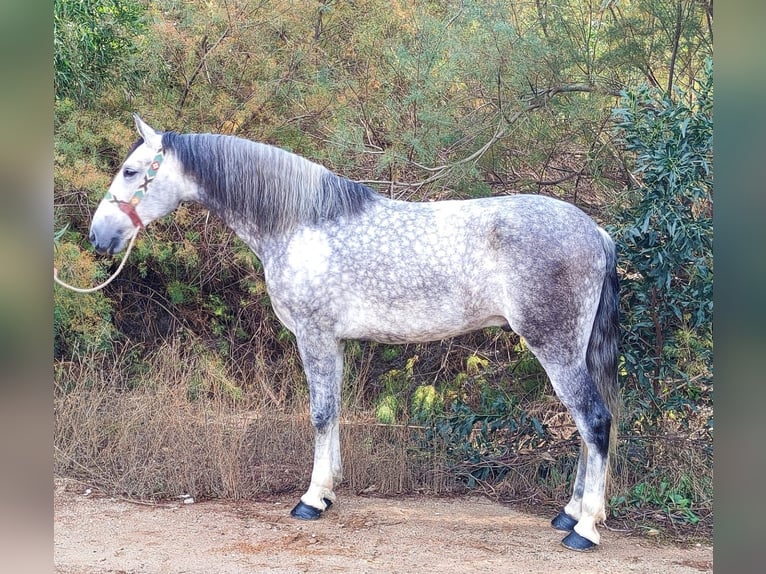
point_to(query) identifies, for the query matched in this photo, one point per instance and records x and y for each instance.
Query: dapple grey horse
(343, 262)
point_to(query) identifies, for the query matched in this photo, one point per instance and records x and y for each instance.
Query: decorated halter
(129, 207)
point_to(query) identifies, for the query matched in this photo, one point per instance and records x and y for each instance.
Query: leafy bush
(91, 39)
(477, 436)
(396, 385)
(81, 322)
(677, 503)
(665, 236)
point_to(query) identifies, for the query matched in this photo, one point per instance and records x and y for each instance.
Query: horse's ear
(151, 137)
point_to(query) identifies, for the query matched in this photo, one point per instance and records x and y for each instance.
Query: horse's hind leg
(566, 519)
(576, 389)
(323, 363)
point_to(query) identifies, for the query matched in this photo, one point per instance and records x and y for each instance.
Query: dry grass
(157, 437)
(155, 432)
(156, 444)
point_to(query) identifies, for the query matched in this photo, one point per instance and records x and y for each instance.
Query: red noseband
(130, 210)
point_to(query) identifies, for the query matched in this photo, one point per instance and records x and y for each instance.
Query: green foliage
(387, 410)
(531, 373)
(665, 237)
(179, 292)
(392, 403)
(391, 353)
(81, 322)
(92, 41)
(676, 502)
(478, 436)
(475, 364)
(427, 403)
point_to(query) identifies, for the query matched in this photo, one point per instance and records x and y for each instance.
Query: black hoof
(305, 512)
(563, 522)
(574, 541)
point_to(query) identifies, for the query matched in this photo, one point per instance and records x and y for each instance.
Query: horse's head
(148, 186)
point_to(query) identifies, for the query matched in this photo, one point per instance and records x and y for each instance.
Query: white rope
(105, 283)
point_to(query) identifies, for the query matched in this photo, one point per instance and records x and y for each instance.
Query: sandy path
(98, 535)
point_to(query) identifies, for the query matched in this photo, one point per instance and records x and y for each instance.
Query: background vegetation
(179, 378)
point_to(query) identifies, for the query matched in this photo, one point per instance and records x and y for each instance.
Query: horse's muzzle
(106, 245)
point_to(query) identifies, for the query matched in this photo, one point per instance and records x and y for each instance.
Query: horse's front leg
(323, 363)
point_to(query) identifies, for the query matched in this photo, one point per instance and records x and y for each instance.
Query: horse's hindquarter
(414, 271)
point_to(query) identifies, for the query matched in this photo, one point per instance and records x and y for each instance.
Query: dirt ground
(98, 535)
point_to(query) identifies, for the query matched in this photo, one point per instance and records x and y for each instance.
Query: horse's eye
(128, 172)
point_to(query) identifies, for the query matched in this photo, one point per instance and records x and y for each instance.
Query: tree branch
(200, 66)
(537, 100)
(676, 41)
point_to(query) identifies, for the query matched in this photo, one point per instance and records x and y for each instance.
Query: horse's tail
(603, 355)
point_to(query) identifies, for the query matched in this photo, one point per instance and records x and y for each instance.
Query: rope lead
(105, 283)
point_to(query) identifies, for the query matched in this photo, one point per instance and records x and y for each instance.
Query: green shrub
(392, 404)
(427, 403)
(665, 242)
(81, 322)
(91, 40)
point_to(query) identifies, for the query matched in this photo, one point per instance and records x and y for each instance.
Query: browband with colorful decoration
(129, 207)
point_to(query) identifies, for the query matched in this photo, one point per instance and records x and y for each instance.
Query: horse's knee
(325, 407)
(324, 412)
(323, 415)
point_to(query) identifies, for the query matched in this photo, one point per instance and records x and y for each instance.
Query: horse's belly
(413, 321)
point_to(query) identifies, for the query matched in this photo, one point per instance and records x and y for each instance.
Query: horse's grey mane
(245, 181)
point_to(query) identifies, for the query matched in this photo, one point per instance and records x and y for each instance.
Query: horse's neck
(247, 232)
